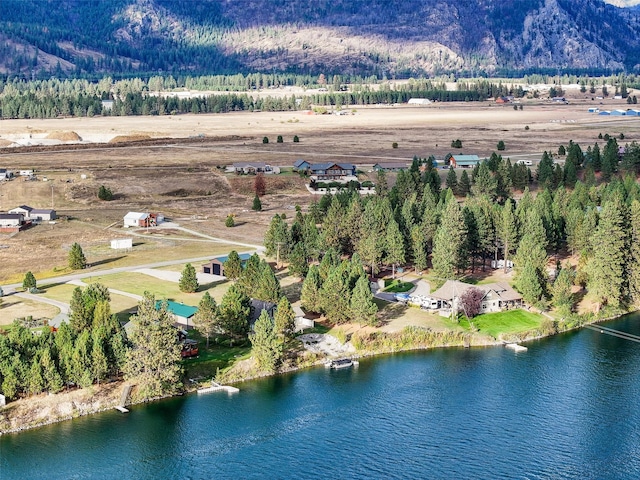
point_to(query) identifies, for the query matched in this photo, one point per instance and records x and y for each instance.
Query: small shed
(301, 321)
(216, 265)
(122, 244)
(136, 219)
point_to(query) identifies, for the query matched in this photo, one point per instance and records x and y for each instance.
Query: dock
(216, 387)
(516, 347)
(124, 398)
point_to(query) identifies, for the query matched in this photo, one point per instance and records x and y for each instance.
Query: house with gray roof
(497, 296)
(464, 161)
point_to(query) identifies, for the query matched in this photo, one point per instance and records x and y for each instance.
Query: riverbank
(44, 409)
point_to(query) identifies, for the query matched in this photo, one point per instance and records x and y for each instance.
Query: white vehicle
(528, 163)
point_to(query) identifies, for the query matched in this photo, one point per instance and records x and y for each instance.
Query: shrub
(257, 204)
(29, 281)
(105, 193)
(526, 127)
(279, 139)
(394, 145)
(265, 139)
(562, 150)
(230, 222)
(622, 136)
(296, 139)
(456, 143)
(501, 146)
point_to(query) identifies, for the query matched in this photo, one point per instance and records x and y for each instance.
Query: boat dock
(216, 387)
(124, 399)
(516, 347)
(342, 363)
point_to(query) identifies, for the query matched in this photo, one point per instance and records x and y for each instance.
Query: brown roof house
(497, 297)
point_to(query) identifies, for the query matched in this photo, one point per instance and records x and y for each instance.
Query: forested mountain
(381, 37)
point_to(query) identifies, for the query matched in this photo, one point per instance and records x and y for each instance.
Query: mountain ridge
(381, 37)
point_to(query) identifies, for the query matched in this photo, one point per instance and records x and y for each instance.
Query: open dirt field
(176, 167)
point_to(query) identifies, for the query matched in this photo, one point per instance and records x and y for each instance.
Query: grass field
(513, 321)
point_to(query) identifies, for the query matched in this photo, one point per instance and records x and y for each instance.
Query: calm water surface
(567, 408)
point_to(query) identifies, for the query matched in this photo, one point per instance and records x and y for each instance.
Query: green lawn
(398, 286)
(513, 321)
(217, 356)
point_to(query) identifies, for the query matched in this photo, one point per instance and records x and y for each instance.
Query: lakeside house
(181, 312)
(497, 297)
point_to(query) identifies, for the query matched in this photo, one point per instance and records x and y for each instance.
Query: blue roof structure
(179, 309)
(243, 257)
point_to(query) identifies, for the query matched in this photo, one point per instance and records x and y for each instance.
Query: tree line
(420, 224)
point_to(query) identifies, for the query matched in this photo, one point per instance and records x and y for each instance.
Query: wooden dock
(124, 399)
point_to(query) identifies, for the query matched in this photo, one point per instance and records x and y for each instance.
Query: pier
(216, 387)
(615, 333)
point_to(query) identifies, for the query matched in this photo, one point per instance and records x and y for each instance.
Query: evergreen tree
(362, 307)
(607, 281)
(257, 204)
(395, 251)
(310, 295)
(188, 280)
(230, 222)
(464, 187)
(267, 349)
(531, 259)
(529, 284)
(335, 296)
(508, 232)
(248, 280)
(35, 380)
(77, 260)
(333, 235)
(52, 378)
(452, 180)
(284, 319)
(545, 173)
(449, 241)
(206, 318)
(268, 286)
(81, 360)
(78, 317)
(154, 359)
(484, 182)
(277, 238)
(562, 296)
(234, 311)
(232, 267)
(634, 254)
(99, 358)
(29, 282)
(298, 265)
(105, 193)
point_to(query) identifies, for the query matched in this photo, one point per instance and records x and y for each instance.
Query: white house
(42, 215)
(11, 219)
(136, 219)
(24, 210)
(301, 321)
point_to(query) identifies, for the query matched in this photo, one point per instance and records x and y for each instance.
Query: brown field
(175, 168)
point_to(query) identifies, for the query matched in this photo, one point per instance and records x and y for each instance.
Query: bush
(279, 139)
(29, 282)
(394, 145)
(265, 139)
(230, 222)
(296, 139)
(526, 127)
(257, 204)
(367, 184)
(501, 146)
(562, 150)
(622, 136)
(456, 143)
(105, 193)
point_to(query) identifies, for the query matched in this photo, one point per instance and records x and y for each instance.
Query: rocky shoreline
(44, 409)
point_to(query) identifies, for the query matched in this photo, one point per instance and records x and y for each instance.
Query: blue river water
(566, 408)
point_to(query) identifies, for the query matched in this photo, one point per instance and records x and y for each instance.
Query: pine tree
(232, 267)
(394, 251)
(634, 254)
(284, 319)
(52, 378)
(78, 318)
(234, 311)
(607, 281)
(206, 318)
(362, 307)
(529, 285)
(257, 204)
(230, 222)
(310, 296)
(484, 182)
(335, 296)
(508, 231)
(452, 180)
(248, 280)
(531, 259)
(154, 359)
(268, 286)
(464, 187)
(99, 359)
(81, 360)
(267, 349)
(277, 238)
(77, 260)
(29, 282)
(188, 280)
(562, 296)
(448, 244)
(35, 380)
(545, 170)
(298, 265)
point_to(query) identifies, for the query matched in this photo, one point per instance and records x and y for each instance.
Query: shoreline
(89, 406)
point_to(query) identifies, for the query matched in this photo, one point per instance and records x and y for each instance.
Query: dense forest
(385, 38)
(420, 223)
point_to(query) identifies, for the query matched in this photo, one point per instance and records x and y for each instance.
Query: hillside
(382, 37)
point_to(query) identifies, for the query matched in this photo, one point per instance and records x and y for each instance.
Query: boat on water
(341, 363)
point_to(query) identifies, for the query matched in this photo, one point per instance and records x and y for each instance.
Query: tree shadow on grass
(293, 291)
(388, 311)
(206, 286)
(104, 261)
